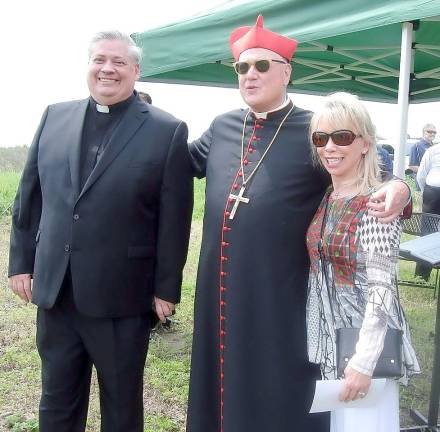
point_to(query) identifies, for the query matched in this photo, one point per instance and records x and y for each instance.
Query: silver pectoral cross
(238, 199)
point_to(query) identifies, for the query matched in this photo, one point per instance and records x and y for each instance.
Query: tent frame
(349, 65)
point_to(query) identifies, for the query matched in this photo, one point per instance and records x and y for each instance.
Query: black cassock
(250, 371)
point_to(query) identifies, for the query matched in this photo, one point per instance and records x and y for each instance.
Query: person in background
(93, 247)
(249, 370)
(419, 148)
(385, 162)
(428, 177)
(353, 258)
(145, 97)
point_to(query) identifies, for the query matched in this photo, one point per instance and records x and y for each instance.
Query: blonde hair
(345, 111)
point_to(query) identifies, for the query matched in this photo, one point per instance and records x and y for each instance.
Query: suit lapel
(129, 124)
(75, 133)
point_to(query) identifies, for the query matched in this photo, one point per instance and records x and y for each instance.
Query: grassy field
(168, 361)
(8, 186)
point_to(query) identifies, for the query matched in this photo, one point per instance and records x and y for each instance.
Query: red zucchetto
(256, 36)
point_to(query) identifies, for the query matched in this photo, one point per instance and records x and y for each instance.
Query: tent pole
(403, 98)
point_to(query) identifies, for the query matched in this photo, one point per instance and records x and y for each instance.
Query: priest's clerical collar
(263, 115)
(117, 107)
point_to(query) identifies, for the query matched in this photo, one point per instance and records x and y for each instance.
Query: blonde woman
(353, 265)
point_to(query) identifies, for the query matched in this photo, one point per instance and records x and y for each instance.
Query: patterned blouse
(361, 257)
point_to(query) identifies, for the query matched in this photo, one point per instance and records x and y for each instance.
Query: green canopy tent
(372, 48)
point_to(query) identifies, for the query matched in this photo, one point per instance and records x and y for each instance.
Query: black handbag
(389, 364)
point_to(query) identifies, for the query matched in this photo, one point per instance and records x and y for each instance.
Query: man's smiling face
(112, 72)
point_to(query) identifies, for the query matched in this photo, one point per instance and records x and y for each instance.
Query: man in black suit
(100, 232)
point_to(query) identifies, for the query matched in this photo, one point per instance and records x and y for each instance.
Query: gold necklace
(239, 198)
(340, 193)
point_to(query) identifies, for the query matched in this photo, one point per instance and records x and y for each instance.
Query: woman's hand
(356, 385)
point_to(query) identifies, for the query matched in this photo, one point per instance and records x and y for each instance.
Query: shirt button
(76, 216)
(67, 247)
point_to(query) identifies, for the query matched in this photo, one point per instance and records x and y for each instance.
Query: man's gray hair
(429, 126)
(134, 51)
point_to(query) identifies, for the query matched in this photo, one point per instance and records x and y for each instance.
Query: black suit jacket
(125, 233)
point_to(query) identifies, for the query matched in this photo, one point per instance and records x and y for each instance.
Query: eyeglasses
(341, 137)
(431, 132)
(263, 65)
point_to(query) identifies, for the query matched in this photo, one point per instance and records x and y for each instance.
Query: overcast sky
(44, 60)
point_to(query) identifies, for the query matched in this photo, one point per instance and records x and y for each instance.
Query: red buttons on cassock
(222, 332)
(251, 150)
(225, 228)
(235, 186)
(227, 213)
(222, 303)
(245, 162)
(240, 174)
(223, 273)
(254, 138)
(223, 258)
(222, 289)
(225, 243)
(222, 318)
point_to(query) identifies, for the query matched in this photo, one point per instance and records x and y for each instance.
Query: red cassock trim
(224, 243)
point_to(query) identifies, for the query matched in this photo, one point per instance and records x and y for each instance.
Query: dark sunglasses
(340, 138)
(431, 132)
(263, 65)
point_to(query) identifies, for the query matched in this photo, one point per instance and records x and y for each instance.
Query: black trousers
(431, 204)
(69, 343)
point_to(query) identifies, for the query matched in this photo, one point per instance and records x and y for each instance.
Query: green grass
(17, 423)
(8, 187)
(168, 363)
(155, 423)
(420, 308)
(199, 199)
(9, 182)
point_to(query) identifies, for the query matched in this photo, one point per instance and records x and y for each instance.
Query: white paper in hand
(327, 395)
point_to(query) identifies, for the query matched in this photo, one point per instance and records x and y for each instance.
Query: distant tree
(13, 158)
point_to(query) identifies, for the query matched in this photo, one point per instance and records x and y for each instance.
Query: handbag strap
(400, 313)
